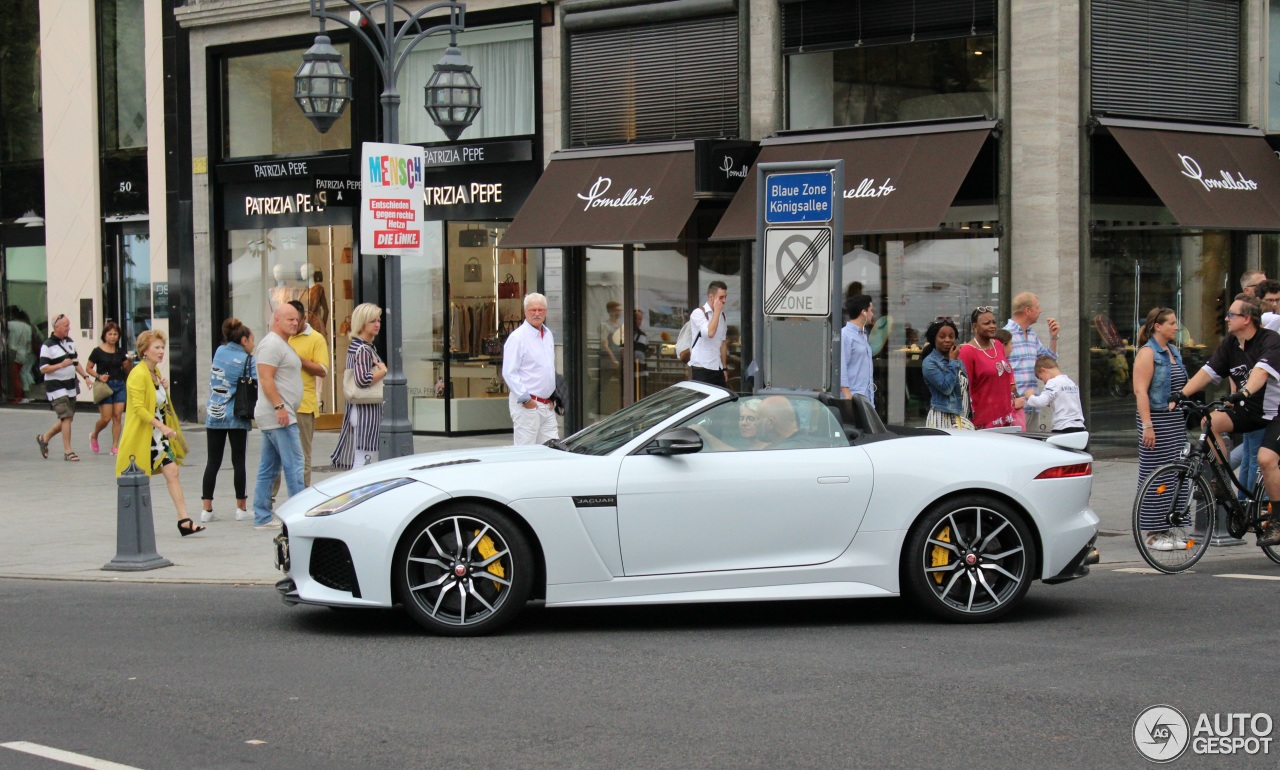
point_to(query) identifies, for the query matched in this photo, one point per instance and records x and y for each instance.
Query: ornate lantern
(453, 94)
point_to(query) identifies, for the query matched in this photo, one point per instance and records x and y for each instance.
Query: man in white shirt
(279, 396)
(709, 354)
(529, 369)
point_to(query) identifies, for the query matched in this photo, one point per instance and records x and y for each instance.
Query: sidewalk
(59, 519)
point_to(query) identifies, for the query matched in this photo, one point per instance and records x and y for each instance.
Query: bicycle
(1185, 503)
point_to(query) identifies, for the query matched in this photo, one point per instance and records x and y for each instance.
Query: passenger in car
(745, 436)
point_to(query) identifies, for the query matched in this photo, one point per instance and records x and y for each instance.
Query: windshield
(622, 426)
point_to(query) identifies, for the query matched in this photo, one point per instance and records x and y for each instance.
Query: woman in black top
(109, 364)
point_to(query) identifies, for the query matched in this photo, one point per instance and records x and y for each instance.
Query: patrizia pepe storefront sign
(478, 180)
(1191, 169)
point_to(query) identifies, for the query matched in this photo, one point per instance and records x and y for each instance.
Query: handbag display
(509, 288)
(101, 391)
(246, 395)
(471, 271)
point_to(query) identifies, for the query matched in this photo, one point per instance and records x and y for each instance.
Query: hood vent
(443, 464)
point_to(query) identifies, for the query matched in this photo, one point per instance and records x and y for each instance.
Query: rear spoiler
(1077, 441)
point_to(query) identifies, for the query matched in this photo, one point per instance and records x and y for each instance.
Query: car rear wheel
(969, 559)
(463, 571)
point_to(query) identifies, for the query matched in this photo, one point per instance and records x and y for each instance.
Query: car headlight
(356, 496)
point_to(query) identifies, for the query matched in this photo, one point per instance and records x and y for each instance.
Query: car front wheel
(969, 559)
(463, 571)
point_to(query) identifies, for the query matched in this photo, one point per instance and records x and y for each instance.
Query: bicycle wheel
(1173, 516)
(1272, 552)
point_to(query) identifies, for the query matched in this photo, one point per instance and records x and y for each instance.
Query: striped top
(63, 381)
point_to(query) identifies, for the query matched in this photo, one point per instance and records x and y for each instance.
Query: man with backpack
(708, 353)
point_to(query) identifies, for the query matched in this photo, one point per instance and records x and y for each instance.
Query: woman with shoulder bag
(152, 438)
(231, 378)
(108, 366)
(362, 387)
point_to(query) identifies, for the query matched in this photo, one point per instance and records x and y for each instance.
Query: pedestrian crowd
(271, 382)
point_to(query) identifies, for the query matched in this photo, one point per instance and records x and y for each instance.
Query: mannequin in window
(317, 302)
(280, 293)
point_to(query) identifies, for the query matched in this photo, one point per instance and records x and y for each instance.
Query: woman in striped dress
(358, 442)
(1158, 373)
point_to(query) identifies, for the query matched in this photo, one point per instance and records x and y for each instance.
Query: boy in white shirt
(1061, 393)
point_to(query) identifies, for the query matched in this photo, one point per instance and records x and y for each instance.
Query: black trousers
(217, 439)
(709, 376)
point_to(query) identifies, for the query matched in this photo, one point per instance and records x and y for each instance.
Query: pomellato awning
(1208, 176)
(641, 194)
(900, 179)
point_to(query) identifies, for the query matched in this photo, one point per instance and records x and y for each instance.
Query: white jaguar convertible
(681, 498)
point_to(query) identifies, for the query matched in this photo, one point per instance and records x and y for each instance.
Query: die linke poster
(391, 199)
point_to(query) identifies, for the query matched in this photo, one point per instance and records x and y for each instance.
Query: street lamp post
(322, 88)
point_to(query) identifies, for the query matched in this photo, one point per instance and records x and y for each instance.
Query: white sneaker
(243, 515)
(1165, 541)
(273, 524)
(207, 516)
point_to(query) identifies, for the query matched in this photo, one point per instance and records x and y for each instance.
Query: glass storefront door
(127, 279)
(23, 293)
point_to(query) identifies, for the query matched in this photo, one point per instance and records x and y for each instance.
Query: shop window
(122, 76)
(1131, 272)
(21, 127)
(314, 265)
(913, 281)
(502, 60)
(261, 117)
(888, 83)
(461, 303)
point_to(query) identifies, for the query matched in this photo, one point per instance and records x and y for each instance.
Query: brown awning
(894, 181)
(1212, 177)
(623, 195)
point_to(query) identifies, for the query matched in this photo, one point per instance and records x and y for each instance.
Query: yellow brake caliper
(941, 556)
(485, 546)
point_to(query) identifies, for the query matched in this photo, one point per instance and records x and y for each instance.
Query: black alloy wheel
(465, 570)
(969, 559)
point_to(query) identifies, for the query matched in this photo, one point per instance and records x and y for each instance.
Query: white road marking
(66, 757)
(1139, 570)
(1250, 577)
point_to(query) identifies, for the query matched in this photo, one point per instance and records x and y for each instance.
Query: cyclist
(1250, 357)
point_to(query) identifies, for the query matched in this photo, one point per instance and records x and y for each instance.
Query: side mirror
(677, 441)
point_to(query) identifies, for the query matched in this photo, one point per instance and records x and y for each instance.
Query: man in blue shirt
(1027, 346)
(855, 350)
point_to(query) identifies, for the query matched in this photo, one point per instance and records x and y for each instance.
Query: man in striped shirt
(59, 365)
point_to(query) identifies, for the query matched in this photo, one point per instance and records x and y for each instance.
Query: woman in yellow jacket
(146, 438)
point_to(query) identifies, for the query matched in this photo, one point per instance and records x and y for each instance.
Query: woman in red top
(990, 374)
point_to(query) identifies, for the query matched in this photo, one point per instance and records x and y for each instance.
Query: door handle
(833, 479)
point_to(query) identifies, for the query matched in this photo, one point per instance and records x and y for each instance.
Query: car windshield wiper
(555, 443)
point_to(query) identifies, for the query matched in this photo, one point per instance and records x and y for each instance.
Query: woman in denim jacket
(222, 425)
(946, 378)
(1158, 374)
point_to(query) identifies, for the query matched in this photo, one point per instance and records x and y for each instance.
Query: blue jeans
(281, 450)
(1250, 443)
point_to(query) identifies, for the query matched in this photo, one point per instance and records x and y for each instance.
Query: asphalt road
(175, 676)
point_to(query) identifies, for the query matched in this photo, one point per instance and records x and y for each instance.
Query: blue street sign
(798, 197)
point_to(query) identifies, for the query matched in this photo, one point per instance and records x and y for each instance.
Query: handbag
(509, 288)
(471, 270)
(177, 444)
(358, 395)
(101, 391)
(246, 395)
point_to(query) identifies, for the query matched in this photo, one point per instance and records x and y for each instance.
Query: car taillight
(1067, 471)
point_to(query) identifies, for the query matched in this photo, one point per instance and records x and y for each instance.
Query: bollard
(135, 529)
